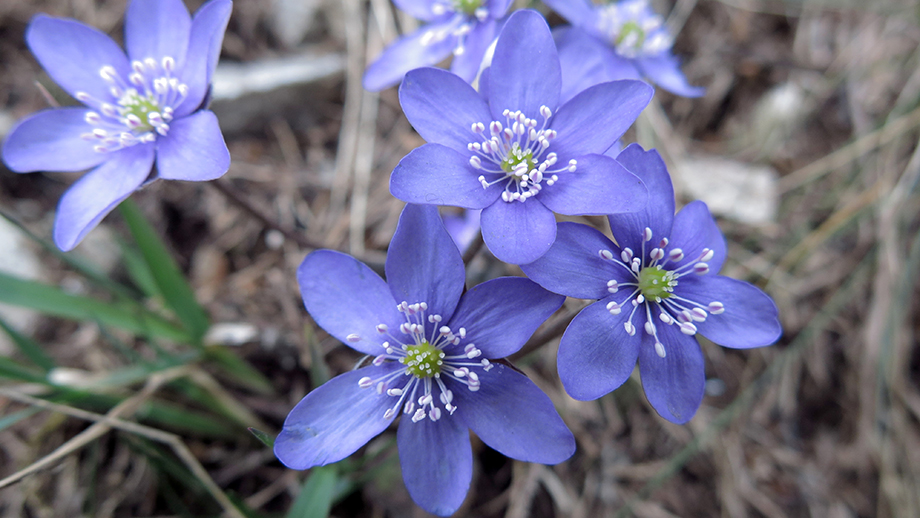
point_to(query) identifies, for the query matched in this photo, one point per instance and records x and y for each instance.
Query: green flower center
(628, 29)
(656, 283)
(516, 157)
(140, 107)
(423, 360)
(467, 6)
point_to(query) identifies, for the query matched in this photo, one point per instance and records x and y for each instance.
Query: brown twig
(234, 196)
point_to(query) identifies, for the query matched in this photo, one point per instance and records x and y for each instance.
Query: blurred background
(805, 147)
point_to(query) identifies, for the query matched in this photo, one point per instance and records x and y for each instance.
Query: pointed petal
(346, 298)
(408, 53)
(573, 266)
(156, 29)
(518, 232)
(437, 175)
(99, 191)
(659, 213)
(500, 315)
(594, 119)
(466, 65)
(442, 108)
(334, 420)
(423, 264)
(525, 71)
(695, 229)
(50, 140)
(73, 54)
(207, 36)
(750, 318)
(436, 461)
(514, 417)
(599, 186)
(673, 384)
(664, 71)
(596, 355)
(193, 150)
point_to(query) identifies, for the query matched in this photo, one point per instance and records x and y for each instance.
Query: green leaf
(166, 273)
(263, 437)
(28, 347)
(138, 271)
(123, 314)
(315, 499)
(240, 371)
(13, 370)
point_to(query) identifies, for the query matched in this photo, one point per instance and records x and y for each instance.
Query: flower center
(144, 106)
(633, 28)
(429, 370)
(513, 154)
(423, 360)
(655, 287)
(467, 7)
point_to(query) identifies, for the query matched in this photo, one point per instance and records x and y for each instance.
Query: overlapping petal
(408, 53)
(500, 315)
(206, 38)
(99, 191)
(156, 29)
(596, 355)
(514, 417)
(437, 463)
(664, 71)
(466, 64)
(674, 384)
(423, 264)
(695, 229)
(346, 298)
(437, 175)
(334, 420)
(658, 214)
(598, 186)
(750, 318)
(581, 57)
(51, 140)
(193, 150)
(516, 232)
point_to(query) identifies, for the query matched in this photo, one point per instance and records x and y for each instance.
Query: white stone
(736, 190)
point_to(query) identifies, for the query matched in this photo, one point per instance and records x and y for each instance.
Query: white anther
(701, 268)
(613, 286)
(435, 414)
(394, 392)
(649, 327)
(379, 360)
(426, 399)
(365, 382)
(381, 386)
(630, 329)
(656, 254)
(478, 127)
(626, 255)
(418, 415)
(545, 112)
(382, 328)
(389, 413)
(676, 254)
(605, 254)
(447, 397)
(354, 337)
(687, 328)
(707, 255)
(659, 348)
(666, 318)
(698, 314)
(475, 162)
(647, 234)
(716, 308)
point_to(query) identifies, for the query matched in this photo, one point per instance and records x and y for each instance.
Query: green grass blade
(263, 437)
(51, 300)
(139, 271)
(169, 279)
(315, 499)
(13, 370)
(239, 371)
(28, 347)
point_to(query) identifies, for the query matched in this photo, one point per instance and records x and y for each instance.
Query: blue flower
(463, 228)
(139, 109)
(513, 149)
(431, 344)
(655, 292)
(464, 28)
(623, 40)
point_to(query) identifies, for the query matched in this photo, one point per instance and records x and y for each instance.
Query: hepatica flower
(138, 109)
(623, 40)
(464, 28)
(431, 346)
(655, 292)
(512, 149)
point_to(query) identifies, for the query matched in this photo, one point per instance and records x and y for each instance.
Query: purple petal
(573, 266)
(577, 12)
(436, 461)
(525, 71)
(658, 215)
(73, 54)
(207, 36)
(423, 264)
(50, 140)
(99, 191)
(437, 175)
(581, 57)
(347, 299)
(518, 232)
(695, 229)
(514, 417)
(750, 318)
(193, 150)
(497, 8)
(500, 315)
(421, 9)
(157, 29)
(442, 107)
(673, 384)
(596, 355)
(334, 420)
(466, 65)
(599, 185)
(593, 120)
(664, 71)
(408, 53)
(463, 228)
(483, 85)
